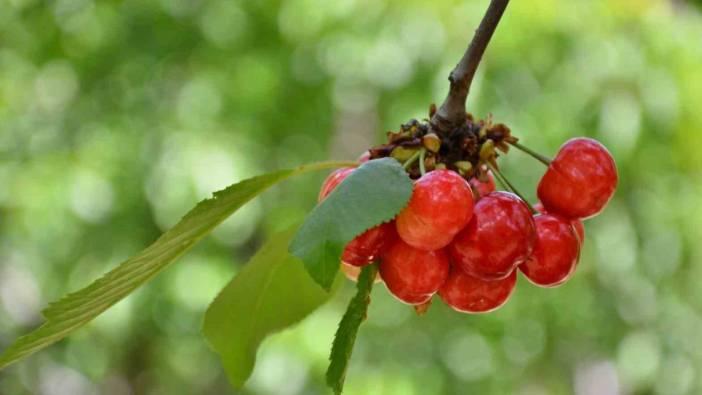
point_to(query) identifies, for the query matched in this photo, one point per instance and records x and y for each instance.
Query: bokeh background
(117, 116)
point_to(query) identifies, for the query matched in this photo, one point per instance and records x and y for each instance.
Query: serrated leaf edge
(64, 315)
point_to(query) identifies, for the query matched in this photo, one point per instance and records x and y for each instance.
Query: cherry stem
(452, 111)
(541, 158)
(411, 159)
(327, 165)
(508, 185)
(422, 154)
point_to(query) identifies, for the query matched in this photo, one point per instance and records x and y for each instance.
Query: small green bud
(464, 167)
(432, 142)
(401, 153)
(487, 150)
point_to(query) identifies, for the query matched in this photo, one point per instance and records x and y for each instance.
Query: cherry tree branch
(453, 110)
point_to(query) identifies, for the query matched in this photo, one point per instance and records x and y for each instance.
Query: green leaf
(371, 195)
(272, 292)
(79, 308)
(348, 329)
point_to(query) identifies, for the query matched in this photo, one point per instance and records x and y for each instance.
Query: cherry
(500, 237)
(365, 157)
(410, 298)
(580, 180)
(469, 294)
(577, 224)
(413, 275)
(483, 188)
(366, 247)
(556, 252)
(441, 205)
(352, 272)
(333, 179)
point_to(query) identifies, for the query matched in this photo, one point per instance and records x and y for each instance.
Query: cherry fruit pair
(578, 184)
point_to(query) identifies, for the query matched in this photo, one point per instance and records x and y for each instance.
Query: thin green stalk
(422, 154)
(328, 165)
(541, 158)
(411, 159)
(508, 185)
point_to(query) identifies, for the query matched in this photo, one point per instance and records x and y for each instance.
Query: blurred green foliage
(118, 116)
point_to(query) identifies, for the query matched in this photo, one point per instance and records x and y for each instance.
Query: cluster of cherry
(464, 240)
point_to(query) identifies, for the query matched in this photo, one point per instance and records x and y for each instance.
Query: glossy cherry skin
(580, 181)
(413, 275)
(483, 188)
(577, 224)
(468, 294)
(441, 205)
(556, 252)
(365, 157)
(366, 247)
(352, 272)
(500, 237)
(333, 180)
(410, 298)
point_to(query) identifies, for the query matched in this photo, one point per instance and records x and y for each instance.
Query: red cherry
(469, 294)
(483, 188)
(579, 230)
(413, 275)
(556, 252)
(577, 224)
(410, 298)
(365, 157)
(333, 179)
(441, 205)
(366, 247)
(500, 237)
(580, 180)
